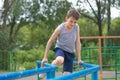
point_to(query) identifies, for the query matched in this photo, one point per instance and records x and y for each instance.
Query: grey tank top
(66, 40)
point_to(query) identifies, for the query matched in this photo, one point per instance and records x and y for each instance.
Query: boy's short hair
(73, 13)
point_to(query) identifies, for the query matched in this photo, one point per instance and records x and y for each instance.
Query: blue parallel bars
(50, 70)
(16, 75)
(91, 69)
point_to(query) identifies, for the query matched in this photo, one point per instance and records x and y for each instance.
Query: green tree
(115, 31)
(22, 13)
(88, 29)
(95, 12)
(110, 4)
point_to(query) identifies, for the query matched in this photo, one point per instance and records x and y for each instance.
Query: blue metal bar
(38, 66)
(95, 76)
(50, 70)
(15, 75)
(86, 64)
(50, 75)
(92, 69)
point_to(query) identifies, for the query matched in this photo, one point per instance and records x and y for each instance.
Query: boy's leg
(59, 53)
(58, 61)
(68, 63)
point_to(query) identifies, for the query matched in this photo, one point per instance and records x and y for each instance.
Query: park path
(34, 77)
(106, 74)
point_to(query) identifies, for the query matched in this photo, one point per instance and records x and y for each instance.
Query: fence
(99, 40)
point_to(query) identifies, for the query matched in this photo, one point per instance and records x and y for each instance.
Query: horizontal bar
(93, 68)
(15, 75)
(97, 37)
(85, 64)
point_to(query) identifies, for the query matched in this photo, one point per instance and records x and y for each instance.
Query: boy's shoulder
(61, 25)
(77, 25)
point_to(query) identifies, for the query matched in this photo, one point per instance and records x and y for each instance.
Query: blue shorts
(68, 59)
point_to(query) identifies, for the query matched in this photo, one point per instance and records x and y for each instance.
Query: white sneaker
(42, 75)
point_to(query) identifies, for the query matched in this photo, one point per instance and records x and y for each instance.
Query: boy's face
(71, 21)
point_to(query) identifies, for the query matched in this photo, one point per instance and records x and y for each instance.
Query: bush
(28, 58)
(29, 65)
(4, 45)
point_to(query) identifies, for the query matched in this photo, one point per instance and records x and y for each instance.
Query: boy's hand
(44, 60)
(80, 61)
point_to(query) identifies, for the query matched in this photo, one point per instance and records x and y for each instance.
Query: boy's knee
(58, 61)
(65, 73)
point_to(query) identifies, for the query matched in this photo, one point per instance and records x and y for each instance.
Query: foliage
(115, 30)
(29, 65)
(30, 23)
(95, 12)
(115, 27)
(88, 29)
(28, 58)
(3, 40)
(34, 36)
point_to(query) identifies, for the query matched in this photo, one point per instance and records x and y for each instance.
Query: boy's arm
(78, 46)
(50, 41)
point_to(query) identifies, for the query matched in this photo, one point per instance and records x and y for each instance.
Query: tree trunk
(5, 13)
(109, 15)
(11, 31)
